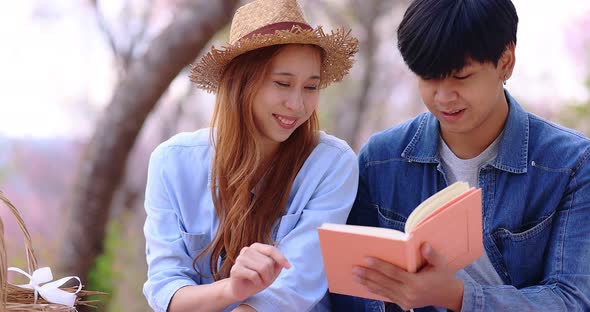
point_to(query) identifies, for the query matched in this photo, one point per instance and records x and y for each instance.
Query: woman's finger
(265, 266)
(272, 252)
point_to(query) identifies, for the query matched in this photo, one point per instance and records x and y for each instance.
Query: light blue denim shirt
(181, 221)
(536, 208)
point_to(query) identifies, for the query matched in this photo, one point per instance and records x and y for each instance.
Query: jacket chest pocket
(524, 252)
(389, 219)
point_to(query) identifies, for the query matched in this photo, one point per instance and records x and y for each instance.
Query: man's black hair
(437, 37)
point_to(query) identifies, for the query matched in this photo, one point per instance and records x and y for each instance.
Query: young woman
(232, 211)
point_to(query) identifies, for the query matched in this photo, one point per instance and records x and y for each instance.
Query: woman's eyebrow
(291, 75)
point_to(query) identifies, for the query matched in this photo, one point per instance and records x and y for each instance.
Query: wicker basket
(13, 298)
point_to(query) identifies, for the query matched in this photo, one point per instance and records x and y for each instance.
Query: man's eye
(462, 77)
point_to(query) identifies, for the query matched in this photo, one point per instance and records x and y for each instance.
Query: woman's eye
(281, 84)
(312, 88)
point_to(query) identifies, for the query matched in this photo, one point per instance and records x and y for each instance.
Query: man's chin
(456, 129)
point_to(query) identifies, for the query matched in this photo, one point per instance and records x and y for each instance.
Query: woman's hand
(255, 269)
(244, 308)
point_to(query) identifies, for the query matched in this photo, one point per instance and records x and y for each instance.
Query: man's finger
(377, 277)
(433, 257)
(386, 268)
(378, 283)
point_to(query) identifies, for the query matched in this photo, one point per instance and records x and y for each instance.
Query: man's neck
(471, 144)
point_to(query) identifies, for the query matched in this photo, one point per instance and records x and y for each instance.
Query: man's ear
(506, 62)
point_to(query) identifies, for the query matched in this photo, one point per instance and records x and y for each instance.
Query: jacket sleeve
(363, 212)
(566, 282)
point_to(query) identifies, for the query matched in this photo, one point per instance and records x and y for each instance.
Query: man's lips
(453, 112)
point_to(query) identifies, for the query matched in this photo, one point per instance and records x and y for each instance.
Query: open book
(450, 221)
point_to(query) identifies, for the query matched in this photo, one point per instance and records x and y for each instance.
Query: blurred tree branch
(366, 15)
(104, 161)
(123, 56)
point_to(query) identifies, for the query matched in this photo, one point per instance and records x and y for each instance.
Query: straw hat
(264, 23)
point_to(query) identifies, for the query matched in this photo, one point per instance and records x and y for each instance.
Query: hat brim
(339, 49)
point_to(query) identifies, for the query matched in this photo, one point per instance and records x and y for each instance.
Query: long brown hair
(238, 163)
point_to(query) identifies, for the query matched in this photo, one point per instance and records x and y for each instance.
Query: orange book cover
(454, 229)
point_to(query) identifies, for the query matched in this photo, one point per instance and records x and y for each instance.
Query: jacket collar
(512, 149)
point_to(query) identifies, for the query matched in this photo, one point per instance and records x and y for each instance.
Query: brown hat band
(270, 29)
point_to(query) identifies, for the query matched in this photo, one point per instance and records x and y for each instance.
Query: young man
(535, 175)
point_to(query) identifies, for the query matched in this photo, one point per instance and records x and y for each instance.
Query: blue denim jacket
(181, 221)
(536, 209)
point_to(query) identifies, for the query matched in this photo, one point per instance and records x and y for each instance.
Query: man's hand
(255, 269)
(433, 285)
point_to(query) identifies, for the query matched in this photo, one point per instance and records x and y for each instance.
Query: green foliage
(3, 173)
(102, 276)
(4, 169)
(577, 115)
(121, 270)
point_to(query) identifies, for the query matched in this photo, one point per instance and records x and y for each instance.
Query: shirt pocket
(286, 224)
(390, 219)
(524, 252)
(194, 242)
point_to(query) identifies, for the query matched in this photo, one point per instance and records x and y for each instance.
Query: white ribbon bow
(49, 291)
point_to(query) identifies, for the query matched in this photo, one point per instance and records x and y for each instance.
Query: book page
(434, 202)
(455, 231)
(366, 230)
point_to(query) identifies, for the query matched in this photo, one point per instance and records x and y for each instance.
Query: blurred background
(89, 88)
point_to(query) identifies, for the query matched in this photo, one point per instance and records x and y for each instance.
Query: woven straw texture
(13, 298)
(339, 46)
(258, 14)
